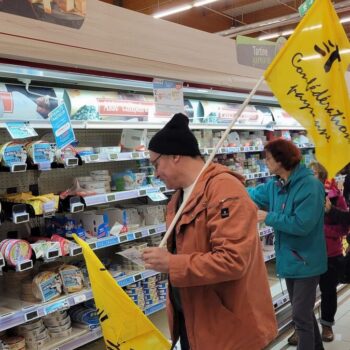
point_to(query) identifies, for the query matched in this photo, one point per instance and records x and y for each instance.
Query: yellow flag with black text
(308, 78)
(124, 326)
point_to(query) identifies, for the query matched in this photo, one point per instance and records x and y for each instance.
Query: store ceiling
(233, 17)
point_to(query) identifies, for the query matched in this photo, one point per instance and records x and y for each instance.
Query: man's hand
(262, 215)
(156, 259)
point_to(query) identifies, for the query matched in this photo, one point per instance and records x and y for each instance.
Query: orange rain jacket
(219, 267)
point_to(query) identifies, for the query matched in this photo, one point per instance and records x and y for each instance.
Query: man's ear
(176, 158)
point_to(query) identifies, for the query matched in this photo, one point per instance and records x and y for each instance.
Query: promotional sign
(168, 96)
(20, 130)
(69, 13)
(254, 53)
(61, 126)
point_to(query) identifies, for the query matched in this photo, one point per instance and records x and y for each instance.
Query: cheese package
(13, 342)
(47, 286)
(72, 278)
(12, 153)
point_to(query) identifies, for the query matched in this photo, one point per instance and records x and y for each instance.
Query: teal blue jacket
(296, 213)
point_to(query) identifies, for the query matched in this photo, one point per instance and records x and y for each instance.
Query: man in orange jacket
(219, 296)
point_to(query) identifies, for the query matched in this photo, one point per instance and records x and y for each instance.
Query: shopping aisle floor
(341, 329)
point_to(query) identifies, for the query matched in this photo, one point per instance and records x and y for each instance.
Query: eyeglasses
(155, 162)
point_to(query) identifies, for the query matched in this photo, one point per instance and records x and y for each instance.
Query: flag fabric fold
(124, 325)
(308, 78)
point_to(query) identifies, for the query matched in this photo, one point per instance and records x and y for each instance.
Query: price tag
(76, 207)
(138, 235)
(75, 251)
(93, 157)
(135, 155)
(130, 236)
(52, 254)
(59, 305)
(92, 245)
(152, 231)
(20, 217)
(31, 315)
(113, 156)
(137, 277)
(146, 154)
(79, 299)
(123, 238)
(24, 265)
(142, 192)
(2, 261)
(71, 162)
(18, 168)
(111, 198)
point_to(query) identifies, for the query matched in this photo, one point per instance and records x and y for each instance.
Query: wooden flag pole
(211, 157)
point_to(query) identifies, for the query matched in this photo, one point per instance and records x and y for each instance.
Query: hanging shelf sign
(61, 126)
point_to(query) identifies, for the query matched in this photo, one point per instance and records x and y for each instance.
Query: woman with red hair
(293, 204)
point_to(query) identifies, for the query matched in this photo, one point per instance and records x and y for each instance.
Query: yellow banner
(124, 326)
(308, 79)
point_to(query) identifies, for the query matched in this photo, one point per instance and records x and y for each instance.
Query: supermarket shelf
(280, 300)
(114, 157)
(127, 237)
(265, 231)
(81, 337)
(106, 198)
(257, 175)
(269, 256)
(228, 150)
(154, 308)
(14, 314)
(305, 145)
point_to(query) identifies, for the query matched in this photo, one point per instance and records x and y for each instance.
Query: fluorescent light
(269, 36)
(203, 2)
(172, 11)
(345, 20)
(288, 32)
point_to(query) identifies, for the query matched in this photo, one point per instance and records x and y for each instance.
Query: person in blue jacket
(292, 203)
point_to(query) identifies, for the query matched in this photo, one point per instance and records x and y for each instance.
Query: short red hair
(284, 152)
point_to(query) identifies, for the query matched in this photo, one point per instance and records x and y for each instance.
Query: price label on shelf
(111, 197)
(79, 299)
(113, 156)
(59, 305)
(135, 155)
(138, 235)
(24, 265)
(93, 157)
(31, 315)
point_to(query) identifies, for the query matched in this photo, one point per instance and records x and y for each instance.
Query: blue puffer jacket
(296, 212)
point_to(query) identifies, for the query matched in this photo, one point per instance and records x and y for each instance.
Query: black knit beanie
(175, 138)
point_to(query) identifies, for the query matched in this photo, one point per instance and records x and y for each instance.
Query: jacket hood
(216, 169)
(299, 172)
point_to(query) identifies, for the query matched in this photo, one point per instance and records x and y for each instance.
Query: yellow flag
(308, 79)
(124, 326)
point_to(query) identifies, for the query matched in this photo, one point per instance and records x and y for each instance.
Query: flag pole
(209, 160)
